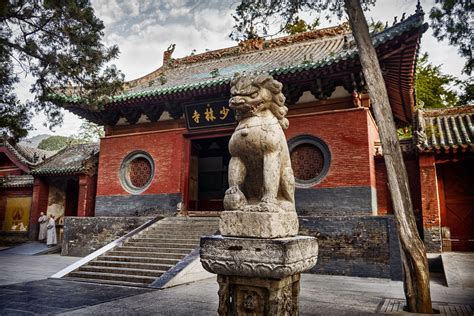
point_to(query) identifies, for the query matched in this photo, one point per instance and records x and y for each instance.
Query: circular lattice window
(136, 172)
(310, 160)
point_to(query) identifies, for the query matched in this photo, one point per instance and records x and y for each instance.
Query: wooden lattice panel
(307, 161)
(139, 172)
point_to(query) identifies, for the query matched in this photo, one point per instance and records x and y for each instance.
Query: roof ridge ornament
(419, 9)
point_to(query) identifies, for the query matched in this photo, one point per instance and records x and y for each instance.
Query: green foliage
(90, 132)
(432, 86)
(163, 79)
(214, 73)
(253, 18)
(452, 20)
(300, 26)
(467, 95)
(376, 26)
(59, 44)
(54, 143)
(405, 132)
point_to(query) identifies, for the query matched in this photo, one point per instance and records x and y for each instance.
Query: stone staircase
(145, 256)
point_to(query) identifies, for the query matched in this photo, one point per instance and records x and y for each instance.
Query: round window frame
(323, 147)
(125, 177)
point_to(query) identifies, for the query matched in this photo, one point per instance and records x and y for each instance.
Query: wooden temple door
(458, 211)
(193, 179)
(208, 164)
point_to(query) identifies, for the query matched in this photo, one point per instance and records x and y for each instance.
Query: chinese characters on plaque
(209, 114)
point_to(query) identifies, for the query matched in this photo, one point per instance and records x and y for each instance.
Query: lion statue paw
(234, 199)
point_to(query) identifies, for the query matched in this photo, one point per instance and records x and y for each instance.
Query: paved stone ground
(31, 248)
(459, 269)
(320, 294)
(19, 268)
(55, 296)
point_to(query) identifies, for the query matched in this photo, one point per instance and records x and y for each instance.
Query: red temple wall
(346, 133)
(165, 148)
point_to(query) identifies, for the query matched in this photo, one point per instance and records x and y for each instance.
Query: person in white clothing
(51, 239)
(43, 222)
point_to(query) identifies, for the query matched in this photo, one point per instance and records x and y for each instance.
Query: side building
(32, 181)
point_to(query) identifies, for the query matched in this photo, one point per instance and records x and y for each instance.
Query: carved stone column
(259, 257)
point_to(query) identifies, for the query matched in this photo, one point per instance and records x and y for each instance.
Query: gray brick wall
(365, 246)
(84, 235)
(336, 201)
(137, 205)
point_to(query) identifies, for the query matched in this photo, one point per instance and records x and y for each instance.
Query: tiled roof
(34, 155)
(27, 155)
(291, 54)
(445, 130)
(20, 181)
(71, 160)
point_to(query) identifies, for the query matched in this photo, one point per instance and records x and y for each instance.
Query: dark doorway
(208, 174)
(72, 197)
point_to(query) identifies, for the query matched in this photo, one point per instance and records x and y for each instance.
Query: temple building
(165, 149)
(166, 137)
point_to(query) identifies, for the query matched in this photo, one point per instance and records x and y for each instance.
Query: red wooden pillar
(86, 200)
(430, 203)
(39, 204)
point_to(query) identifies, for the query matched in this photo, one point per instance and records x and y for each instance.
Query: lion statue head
(255, 93)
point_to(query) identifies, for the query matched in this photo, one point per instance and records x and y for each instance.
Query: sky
(143, 30)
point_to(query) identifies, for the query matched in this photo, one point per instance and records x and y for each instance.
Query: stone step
(178, 256)
(174, 235)
(112, 276)
(125, 271)
(133, 243)
(183, 234)
(184, 226)
(184, 251)
(111, 282)
(132, 265)
(159, 245)
(189, 220)
(149, 260)
(194, 240)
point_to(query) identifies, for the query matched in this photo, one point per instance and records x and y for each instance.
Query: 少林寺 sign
(209, 114)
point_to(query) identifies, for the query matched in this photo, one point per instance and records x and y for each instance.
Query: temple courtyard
(25, 290)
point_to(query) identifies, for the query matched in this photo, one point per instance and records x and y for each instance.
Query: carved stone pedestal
(256, 296)
(259, 224)
(258, 276)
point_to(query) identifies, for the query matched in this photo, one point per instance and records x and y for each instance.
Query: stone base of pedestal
(259, 224)
(258, 276)
(256, 296)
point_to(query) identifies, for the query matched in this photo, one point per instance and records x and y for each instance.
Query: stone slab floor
(320, 294)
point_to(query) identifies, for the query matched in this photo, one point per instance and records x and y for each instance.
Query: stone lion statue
(260, 174)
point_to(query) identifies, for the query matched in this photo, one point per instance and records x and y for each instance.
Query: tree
(248, 16)
(432, 86)
(301, 26)
(14, 116)
(467, 94)
(57, 142)
(58, 43)
(90, 132)
(452, 20)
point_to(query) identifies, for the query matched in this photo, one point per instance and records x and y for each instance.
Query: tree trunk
(415, 264)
